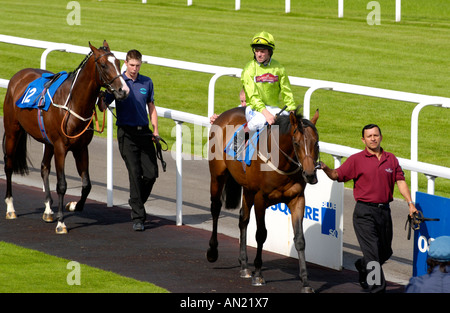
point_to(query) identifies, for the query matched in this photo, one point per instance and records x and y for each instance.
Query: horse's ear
(294, 122)
(105, 44)
(293, 119)
(315, 117)
(92, 47)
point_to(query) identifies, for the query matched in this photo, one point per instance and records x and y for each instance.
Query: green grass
(28, 271)
(311, 42)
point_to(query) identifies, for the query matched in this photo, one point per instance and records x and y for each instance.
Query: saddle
(242, 144)
(40, 92)
(415, 221)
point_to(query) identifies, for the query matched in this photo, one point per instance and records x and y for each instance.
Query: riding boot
(239, 143)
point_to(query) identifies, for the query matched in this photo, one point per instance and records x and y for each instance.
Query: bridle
(105, 83)
(296, 162)
(307, 152)
(102, 81)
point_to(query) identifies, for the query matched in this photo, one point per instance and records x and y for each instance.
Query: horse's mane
(284, 123)
(73, 73)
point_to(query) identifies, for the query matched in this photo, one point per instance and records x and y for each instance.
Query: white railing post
(398, 10)
(44, 56)
(212, 84)
(237, 5)
(307, 100)
(109, 158)
(430, 185)
(287, 8)
(340, 8)
(179, 172)
(414, 144)
(337, 160)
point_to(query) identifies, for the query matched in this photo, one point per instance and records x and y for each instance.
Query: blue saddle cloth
(250, 147)
(36, 95)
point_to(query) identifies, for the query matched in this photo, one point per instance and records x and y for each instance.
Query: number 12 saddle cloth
(39, 92)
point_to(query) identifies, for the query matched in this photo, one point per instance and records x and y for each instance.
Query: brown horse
(264, 182)
(62, 128)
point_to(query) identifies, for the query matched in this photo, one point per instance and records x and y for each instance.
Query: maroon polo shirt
(373, 179)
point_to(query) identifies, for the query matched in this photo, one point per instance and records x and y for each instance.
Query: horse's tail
(20, 164)
(233, 194)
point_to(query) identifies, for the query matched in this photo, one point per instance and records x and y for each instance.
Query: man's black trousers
(373, 229)
(138, 151)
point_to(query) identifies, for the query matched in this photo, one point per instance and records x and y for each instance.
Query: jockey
(264, 79)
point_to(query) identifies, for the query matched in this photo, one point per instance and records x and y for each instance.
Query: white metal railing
(287, 7)
(337, 151)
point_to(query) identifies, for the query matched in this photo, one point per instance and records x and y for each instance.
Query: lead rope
(76, 136)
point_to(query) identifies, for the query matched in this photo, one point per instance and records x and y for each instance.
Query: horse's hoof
(11, 215)
(307, 289)
(48, 218)
(71, 206)
(246, 273)
(61, 229)
(212, 255)
(258, 281)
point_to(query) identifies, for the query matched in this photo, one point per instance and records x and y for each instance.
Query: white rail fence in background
(287, 7)
(337, 151)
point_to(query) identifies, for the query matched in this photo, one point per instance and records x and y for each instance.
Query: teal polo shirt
(133, 110)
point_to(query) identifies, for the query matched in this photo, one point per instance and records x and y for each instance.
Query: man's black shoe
(138, 226)
(362, 274)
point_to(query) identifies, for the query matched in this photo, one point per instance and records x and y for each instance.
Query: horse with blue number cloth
(61, 126)
(264, 181)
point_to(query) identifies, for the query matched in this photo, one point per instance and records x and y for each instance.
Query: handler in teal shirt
(135, 138)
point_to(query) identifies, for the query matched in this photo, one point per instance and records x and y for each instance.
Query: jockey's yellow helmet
(263, 40)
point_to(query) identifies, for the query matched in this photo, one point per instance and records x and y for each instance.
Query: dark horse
(285, 182)
(65, 124)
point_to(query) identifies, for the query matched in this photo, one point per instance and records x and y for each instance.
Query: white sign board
(322, 225)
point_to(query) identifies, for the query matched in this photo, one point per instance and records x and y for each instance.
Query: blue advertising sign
(432, 207)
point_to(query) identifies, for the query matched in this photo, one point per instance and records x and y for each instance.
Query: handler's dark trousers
(138, 151)
(373, 228)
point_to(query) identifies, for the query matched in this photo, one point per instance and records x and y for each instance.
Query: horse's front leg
(297, 207)
(82, 163)
(61, 188)
(45, 173)
(261, 235)
(244, 218)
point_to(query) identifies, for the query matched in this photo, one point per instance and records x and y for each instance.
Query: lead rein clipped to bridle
(318, 166)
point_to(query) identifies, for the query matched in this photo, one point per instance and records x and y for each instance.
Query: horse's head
(305, 140)
(108, 68)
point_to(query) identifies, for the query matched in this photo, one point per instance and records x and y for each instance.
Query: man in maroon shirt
(374, 173)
